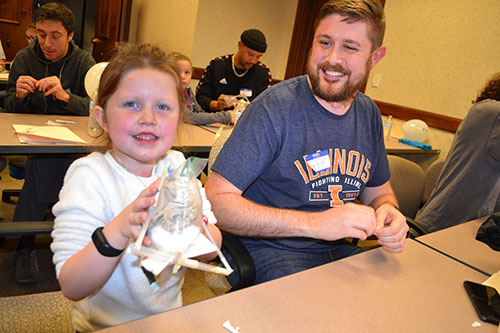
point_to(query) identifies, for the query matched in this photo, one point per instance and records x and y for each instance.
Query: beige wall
(169, 24)
(440, 53)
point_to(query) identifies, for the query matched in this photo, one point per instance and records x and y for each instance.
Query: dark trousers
(275, 261)
(42, 183)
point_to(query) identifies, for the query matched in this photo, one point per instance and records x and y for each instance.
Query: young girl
(193, 112)
(105, 197)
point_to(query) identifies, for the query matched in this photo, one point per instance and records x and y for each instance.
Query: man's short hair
(254, 39)
(56, 12)
(370, 11)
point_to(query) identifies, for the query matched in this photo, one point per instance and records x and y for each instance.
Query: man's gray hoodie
(70, 70)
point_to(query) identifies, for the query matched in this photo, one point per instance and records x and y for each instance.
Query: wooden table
(193, 138)
(419, 290)
(460, 243)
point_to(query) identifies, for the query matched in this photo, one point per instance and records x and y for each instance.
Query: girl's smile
(141, 118)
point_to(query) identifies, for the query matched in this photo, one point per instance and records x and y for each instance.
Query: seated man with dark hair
(469, 185)
(47, 77)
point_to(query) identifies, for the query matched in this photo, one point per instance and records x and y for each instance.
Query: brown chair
(220, 139)
(16, 170)
(431, 177)
(407, 182)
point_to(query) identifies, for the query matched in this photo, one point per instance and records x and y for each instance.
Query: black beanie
(254, 39)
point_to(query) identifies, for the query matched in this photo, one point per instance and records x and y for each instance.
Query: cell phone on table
(485, 300)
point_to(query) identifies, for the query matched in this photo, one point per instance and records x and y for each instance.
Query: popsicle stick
(145, 226)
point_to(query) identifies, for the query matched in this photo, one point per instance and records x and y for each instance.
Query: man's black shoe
(26, 266)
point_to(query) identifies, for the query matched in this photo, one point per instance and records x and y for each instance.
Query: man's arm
(391, 227)
(241, 216)
(267, 82)
(219, 104)
(205, 89)
(78, 102)
(204, 118)
(11, 102)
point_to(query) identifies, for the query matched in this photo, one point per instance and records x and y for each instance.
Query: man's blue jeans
(274, 259)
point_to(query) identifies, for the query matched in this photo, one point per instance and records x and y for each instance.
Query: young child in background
(193, 112)
(105, 197)
(30, 33)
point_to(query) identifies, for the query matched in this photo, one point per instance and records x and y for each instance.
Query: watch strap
(102, 245)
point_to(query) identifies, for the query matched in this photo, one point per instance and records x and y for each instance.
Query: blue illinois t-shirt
(287, 151)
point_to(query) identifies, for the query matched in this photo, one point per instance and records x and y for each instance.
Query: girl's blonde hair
(173, 57)
(131, 57)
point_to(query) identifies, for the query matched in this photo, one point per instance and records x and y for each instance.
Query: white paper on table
(46, 134)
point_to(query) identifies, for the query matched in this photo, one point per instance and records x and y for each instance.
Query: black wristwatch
(102, 245)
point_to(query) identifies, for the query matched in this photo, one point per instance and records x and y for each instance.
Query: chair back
(407, 182)
(431, 177)
(220, 138)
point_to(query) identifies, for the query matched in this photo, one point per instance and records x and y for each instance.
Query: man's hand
(349, 220)
(25, 85)
(219, 104)
(391, 228)
(52, 86)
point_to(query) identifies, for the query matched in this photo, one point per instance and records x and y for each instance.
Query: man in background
(241, 73)
(287, 179)
(47, 77)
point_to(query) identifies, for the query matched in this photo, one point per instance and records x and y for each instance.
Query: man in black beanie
(241, 73)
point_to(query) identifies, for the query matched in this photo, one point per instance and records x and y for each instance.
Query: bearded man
(287, 179)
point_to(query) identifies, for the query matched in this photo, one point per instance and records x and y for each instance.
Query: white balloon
(415, 130)
(92, 79)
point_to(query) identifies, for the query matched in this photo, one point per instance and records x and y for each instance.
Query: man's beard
(328, 94)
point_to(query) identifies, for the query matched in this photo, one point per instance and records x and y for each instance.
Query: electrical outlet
(376, 80)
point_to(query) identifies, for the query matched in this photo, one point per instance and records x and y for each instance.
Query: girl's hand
(129, 222)
(74, 279)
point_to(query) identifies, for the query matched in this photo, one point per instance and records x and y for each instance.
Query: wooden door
(111, 27)
(15, 15)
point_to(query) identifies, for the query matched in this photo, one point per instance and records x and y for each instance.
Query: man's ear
(378, 55)
(100, 116)
(70, 36)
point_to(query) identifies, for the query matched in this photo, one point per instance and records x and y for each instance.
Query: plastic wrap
(175, 222)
